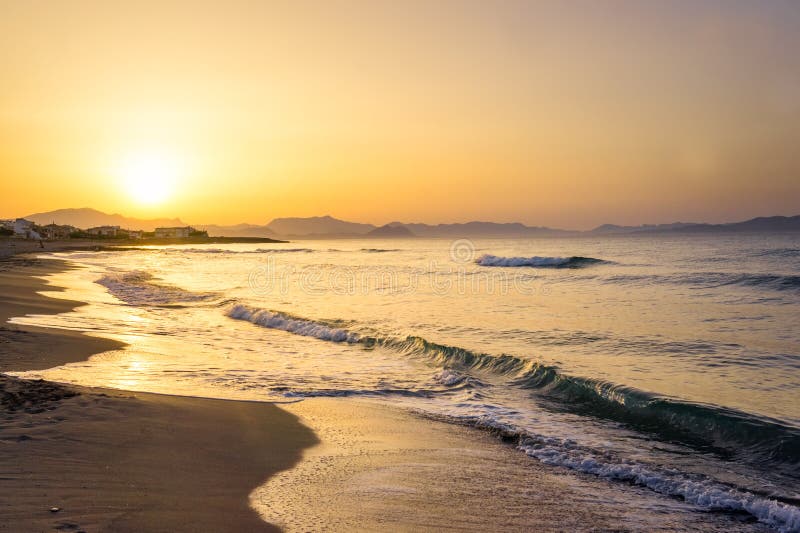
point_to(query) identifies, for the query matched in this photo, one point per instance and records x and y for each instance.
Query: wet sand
(379, 468)
(32, 348)
(118, 461)
(10, 247)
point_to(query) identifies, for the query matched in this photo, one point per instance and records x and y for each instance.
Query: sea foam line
(137, 287)
(754, 439)
(703, 493)
(307, 328)
(549, 450)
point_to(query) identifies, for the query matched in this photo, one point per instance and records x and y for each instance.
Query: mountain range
(86, 218)
(330, 227)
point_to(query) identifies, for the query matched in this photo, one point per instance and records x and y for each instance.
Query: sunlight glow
(149, 177)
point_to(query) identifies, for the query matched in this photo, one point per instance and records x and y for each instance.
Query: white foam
(307, 328)
(448, 377)
(703, 493)
(139, 288)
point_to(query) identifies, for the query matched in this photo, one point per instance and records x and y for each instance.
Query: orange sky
(565, 114)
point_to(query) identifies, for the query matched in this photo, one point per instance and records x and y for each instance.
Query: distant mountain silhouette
(758, 224)
(86, 218)
(480, 229)
(613, 228)
(318, 226)
(330, 227)
(776, 224)
(391, 231)
(238, 230)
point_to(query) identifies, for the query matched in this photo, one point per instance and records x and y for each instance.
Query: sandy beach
(89, 459)
(116, 461)
(10, 247)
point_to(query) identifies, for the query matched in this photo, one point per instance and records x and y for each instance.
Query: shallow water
(668, 362)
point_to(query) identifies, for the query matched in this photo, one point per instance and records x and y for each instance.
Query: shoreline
(114, 460)
(10, 247)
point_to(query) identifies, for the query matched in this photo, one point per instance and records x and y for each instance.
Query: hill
(87, 218)
(318, 226)
(238, 230)
(607, 229)
(776, 224)
(480, 229)
(389, 231)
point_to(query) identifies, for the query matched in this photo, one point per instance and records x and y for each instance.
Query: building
(7, 227)
(130, 233)
(103, 231)
(24, 229)
(56, 231)
(174, 233)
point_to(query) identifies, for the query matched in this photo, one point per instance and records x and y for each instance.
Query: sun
(149, 178)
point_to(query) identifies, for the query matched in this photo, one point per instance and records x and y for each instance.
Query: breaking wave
(537, 262)
(731, 433)
(298, 326)
(141, 288)
(726, 431)
(695, 489)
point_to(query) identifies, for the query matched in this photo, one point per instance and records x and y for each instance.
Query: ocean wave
(712, 280)
(727, 431)
(773, 281)
(377, 250)
(137, 287)
(282, 251)
(779, 252)
(448, 377)
(701, 492)
(367, 393)
(696, 489)
(298, 326)
(538, 262)
(732, 433)
(753, 438)
(232, 252)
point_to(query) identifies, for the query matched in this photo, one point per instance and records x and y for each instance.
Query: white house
(103, 231)
(23, 229)
(174, 233)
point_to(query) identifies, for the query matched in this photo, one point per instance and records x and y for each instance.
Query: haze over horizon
(545, 113)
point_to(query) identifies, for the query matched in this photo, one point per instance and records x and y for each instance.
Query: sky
(564, 114)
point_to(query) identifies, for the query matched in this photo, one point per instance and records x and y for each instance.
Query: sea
(671, 363)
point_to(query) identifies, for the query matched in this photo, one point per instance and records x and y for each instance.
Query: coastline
(118, 461)
(16, 248)
(121, 461)
(10, 247)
